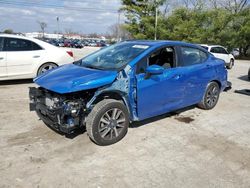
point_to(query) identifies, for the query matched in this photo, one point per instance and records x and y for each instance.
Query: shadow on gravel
(170, 114)
(76, 133)
(15, 82)
(72, 135)
(244, 78)
(243, 91)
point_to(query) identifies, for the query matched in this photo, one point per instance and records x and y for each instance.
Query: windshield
(113, 57)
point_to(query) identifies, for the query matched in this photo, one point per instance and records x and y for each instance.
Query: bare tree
(214, 3)
(235, 6)
(43, 25)
(118, 29)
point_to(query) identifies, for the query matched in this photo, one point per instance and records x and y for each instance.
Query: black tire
(210, 97)
(45, 67)
(230, 66)
(106, 127)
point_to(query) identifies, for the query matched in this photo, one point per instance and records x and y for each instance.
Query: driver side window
(164, 57)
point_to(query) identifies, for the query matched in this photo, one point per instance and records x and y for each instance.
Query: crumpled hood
(71, 78)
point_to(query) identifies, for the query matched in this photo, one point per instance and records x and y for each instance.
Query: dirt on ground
(188, 148)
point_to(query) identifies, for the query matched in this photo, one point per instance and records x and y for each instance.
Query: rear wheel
(45, 67)
(108, 122)
(210, 97)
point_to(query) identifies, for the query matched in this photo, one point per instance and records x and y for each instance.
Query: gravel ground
(194, 148)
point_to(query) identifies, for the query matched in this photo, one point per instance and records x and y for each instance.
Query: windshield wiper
(92, 67)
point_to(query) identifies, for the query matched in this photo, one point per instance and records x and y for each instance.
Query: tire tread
(91, 116)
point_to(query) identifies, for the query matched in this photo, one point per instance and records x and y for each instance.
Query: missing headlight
(72, 108)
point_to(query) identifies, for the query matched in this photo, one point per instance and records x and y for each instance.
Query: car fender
(123, 87)
(231, 57)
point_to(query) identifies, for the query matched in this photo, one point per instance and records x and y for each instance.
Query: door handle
(1, 58)
(36, 56)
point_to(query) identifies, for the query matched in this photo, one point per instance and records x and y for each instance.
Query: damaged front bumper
(58, 112)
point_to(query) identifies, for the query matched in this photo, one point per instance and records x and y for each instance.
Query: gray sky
(85, 16)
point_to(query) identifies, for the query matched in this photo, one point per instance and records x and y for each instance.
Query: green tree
(241, 31)
(8, 31)
(140, 16)
(196, 24)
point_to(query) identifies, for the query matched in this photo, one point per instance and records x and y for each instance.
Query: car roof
(13, 36)
(211, 45)
(160, 42)
(40, 42)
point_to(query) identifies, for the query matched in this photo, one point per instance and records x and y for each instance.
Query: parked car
(222, 53)
(67, 43)
(77, 44)
(125, 82)
(22, 57)
(236, 52)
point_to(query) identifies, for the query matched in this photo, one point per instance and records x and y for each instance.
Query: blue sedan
(126, 82)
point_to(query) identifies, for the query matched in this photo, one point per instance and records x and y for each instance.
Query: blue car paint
(71, 78)
(175, 88)
(124, 88)
(155, 69)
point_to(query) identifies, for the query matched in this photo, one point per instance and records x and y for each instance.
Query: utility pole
(57, 20)
(156, 22)
(118, 26)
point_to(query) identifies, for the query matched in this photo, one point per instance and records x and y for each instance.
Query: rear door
(3, 69)
(197, 70)
(21, 54)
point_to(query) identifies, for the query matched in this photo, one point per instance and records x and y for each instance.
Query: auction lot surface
(195, 148)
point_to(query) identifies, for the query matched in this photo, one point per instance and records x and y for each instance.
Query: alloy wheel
(46, 67)
(212, 95)
(111, 124)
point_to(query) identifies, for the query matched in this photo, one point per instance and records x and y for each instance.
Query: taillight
(70, 53)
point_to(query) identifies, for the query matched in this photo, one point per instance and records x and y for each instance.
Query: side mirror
(154, 70)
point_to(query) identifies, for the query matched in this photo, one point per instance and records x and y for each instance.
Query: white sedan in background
(221, 53)
(22, 57)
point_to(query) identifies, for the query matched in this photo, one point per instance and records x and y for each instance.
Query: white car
(221, 53)
(22, 57)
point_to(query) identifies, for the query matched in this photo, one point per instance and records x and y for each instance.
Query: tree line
(224, 22)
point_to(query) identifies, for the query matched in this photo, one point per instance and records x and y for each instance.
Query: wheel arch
(109, 94)
(37, 70)
(217, 81)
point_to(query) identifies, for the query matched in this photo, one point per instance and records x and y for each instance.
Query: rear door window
(36, 46)
(222, 51)
(215, 50)
(192, 56)
(14, 44)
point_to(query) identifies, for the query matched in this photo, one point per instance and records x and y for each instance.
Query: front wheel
(108, 122)
(210, 97)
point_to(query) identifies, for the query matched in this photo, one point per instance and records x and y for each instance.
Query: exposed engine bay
(63, 113)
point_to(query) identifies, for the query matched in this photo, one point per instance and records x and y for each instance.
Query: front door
(158, 94)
